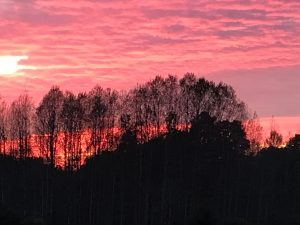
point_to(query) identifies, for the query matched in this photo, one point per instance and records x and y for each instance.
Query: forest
(168, 152)
(64, 129)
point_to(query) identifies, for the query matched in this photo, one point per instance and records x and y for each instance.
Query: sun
(9, 64)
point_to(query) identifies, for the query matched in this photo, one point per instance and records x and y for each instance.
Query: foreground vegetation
(201, 176)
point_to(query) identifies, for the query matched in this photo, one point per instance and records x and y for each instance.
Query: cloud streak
(117, 43)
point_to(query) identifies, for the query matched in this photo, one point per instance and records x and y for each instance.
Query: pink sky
(252, 45)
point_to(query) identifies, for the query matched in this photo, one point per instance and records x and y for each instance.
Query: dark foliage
(65, 128)
(201, 177)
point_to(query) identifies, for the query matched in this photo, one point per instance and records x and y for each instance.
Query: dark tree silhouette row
(66, 128)
(181, 157)
(202, 176)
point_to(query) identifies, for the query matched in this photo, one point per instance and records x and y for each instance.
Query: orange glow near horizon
(282, 125)
(39, 151)
(287, 126)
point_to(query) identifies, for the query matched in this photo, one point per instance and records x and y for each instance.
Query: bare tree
(3, 126)
(20, 121)
(226, 104)
(96, 115)
(102, 117)
(47, 122)
(201, 100)
(171, 96)
(72, 119)
(187, 94)
(111, 119)
(275, 139)
(141, 112)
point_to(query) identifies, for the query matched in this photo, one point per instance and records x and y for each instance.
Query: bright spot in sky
(9, 64)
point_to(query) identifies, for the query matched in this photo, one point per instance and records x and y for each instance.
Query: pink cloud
(119, 43)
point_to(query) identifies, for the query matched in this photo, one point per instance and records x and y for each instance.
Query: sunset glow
(252, 45)
(148, 112)
(9, 64)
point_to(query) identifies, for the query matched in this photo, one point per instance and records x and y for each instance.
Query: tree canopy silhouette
(66, 128)
(166, 152)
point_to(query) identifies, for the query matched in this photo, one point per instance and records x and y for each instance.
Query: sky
(252, 45)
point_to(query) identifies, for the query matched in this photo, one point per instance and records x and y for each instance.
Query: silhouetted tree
(186, 85)
(48, 124)
(142, 112)
(275, 139)
(180, 151)
(201, 99)
(72, 118)
(171, 122)
(171, 96)
(97, 112)
(3, 126)
(226, 105)
(111, 138)
(20, 121)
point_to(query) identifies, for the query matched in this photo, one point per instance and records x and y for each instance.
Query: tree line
(200, 176)
(66, 128)
(175, 178)
(168, 152)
